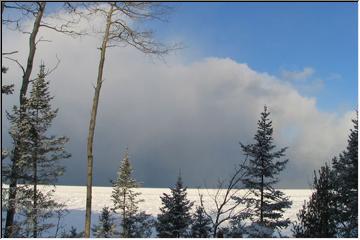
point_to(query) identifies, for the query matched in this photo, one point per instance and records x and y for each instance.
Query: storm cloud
(187, 115)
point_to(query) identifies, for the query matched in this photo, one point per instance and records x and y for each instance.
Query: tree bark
(35, 224)
(124, 230)
(92, 124)
(35, 179)
(25, 83)
(262, 194)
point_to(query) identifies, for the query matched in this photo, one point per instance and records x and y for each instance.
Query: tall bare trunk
(124, 228)
(262, 193)
(35, 224)
(92, 125)
(35, 182)
(262, 200)
(25, 83)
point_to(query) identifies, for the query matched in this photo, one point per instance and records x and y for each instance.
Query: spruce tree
(46, 149)
(346, 186)
(317, 217)
(45, 212)
(141, 225)
(237, 227)
(174, 219)
(262, 169)
(37, 152)
(124, 196)
(72, 234)
(6, 89)
(106, 226)
(201, 224)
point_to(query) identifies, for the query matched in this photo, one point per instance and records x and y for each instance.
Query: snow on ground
(75, 198)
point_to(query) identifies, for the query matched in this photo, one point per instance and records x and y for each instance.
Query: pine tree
(174, 219)
(141, 225)
(124, 196)
(45, 212)
(317, 217)
(346, 186)
(201, 224)
(262, 170)
(237, 227)
(46, 150)
(72, 234)
(106, 226)
(6, 89)
(37, 153)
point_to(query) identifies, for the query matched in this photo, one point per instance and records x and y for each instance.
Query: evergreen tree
(72, 234)
(346, 186)
(262, 170)
(141, 225)
(125, 197)
(174, 219)
(106, 226)
(45, 212)
(37, 153)
(46, 150)
(237, 227)
(6, 89)
(317, 217)
(201, 224)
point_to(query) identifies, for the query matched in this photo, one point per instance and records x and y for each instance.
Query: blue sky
(276, 37)
(273, 37)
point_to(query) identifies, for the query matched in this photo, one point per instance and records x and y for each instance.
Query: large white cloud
(176, 114)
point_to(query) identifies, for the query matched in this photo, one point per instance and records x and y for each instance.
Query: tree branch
(17, 62)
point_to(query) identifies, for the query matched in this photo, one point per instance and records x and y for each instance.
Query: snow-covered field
(74, 197)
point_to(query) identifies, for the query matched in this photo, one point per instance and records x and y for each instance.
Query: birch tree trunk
(25, 83)
(90, 140)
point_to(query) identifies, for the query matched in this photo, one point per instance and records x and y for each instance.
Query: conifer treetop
(262, 170)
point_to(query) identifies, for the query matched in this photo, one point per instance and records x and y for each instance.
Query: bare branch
(63, 28)
(226, 204)
(17, 62)
(41, 39)
(50, 71)
(9, 53)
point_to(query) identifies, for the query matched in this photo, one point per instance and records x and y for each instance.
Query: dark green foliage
(6, 89)
(317, 217)
(346, 186)
(262, 169)
(140, 225)
(174, 219)
(236, 228)
(201, 224)
(332, 210)
(72, 234)
(106, 226)
(4, 69)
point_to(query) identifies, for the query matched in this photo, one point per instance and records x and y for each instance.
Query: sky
(190, 110)
(276, 37)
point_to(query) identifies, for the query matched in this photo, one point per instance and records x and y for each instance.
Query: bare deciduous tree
(227, 200)
(118, 31)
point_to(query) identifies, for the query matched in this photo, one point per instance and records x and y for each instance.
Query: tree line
(35, 157)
